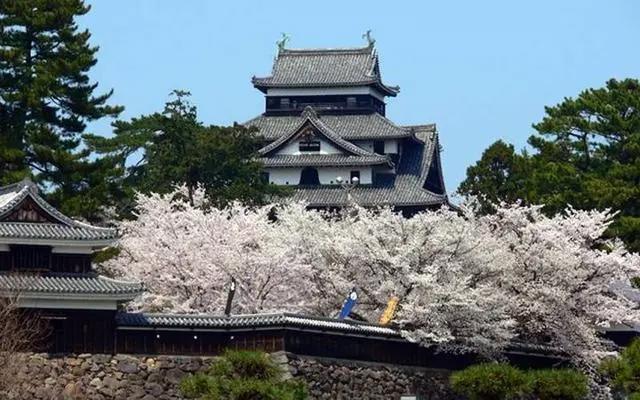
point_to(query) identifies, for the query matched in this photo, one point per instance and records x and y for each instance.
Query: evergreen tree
(46, 100)
(175, 148)
(243, 375)
(587, 154)
(497, 176)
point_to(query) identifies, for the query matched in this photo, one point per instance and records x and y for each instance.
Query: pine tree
(497, 176)
(47, 98)
(586, 154)
(174, 148)
(241, 375)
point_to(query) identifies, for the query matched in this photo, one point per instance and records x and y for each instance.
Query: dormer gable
(26, 217)
(311, 126)
(28, 211)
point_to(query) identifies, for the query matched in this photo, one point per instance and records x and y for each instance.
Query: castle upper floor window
(309, 145)
(378, 146)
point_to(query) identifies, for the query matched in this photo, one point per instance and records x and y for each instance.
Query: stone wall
(102, 377)
(120, 377)
(349, 380)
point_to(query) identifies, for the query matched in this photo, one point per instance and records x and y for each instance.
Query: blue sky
(481, 70)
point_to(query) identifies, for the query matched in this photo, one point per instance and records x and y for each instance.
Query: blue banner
(348, 305)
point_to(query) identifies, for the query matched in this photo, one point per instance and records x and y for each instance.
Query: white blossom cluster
(463, 280)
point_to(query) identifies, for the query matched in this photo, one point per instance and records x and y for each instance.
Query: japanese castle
(328, 137)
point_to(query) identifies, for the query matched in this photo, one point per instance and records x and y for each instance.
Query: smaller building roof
(58, 226)
(313, 68)
(24, 284)
(250, 321)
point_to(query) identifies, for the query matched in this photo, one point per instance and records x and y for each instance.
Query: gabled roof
(33, 285)
(309, 117)
(349, 127)
(60, 227)
(305, 68)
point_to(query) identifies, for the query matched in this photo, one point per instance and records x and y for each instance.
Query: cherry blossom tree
(465, 281)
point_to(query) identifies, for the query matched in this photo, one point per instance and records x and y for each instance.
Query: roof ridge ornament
(309, 112)
(27, 182)
(282, 42)
(370, 40)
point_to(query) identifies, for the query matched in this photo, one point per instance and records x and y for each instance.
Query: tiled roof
(325, 68)
(309, 116)
(57, 283)
(323, 160)
(405, 188)
(348, 127)
(52, 231)
(64, 228)
(281, 320)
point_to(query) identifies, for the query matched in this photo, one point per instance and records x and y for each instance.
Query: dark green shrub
(624, 371)
(490, 381)
(558, 384)
(502, 381)
(243, 375)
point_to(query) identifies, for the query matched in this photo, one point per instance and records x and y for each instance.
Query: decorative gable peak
(24, 214)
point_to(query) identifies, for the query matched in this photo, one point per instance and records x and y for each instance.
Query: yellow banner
(390, 311)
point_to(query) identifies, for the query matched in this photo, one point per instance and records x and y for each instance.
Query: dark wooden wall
(40, 258)
(189, 342)
(79, 331)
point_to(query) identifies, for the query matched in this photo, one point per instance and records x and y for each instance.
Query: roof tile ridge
(119, 281)
(17, 198)
(326, 50)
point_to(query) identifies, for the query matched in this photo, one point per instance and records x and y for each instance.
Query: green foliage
(558, 384)
(624, 371)
(490, 381)
(493, 381)
(47, 99)
(243, 375)
(586, 154)
(175, 148)
(497, 176)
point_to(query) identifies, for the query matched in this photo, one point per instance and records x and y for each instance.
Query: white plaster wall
(327, 175)
(293, 148)
(390, 146)
(284, 176)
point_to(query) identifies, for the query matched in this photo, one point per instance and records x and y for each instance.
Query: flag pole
(232, 291)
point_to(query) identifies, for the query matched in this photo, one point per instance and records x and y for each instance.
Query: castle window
(355, 174)
(378, 146)
(309, 145)
(284, 103)
(31, 257)
(351, 102)
(309, 176)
